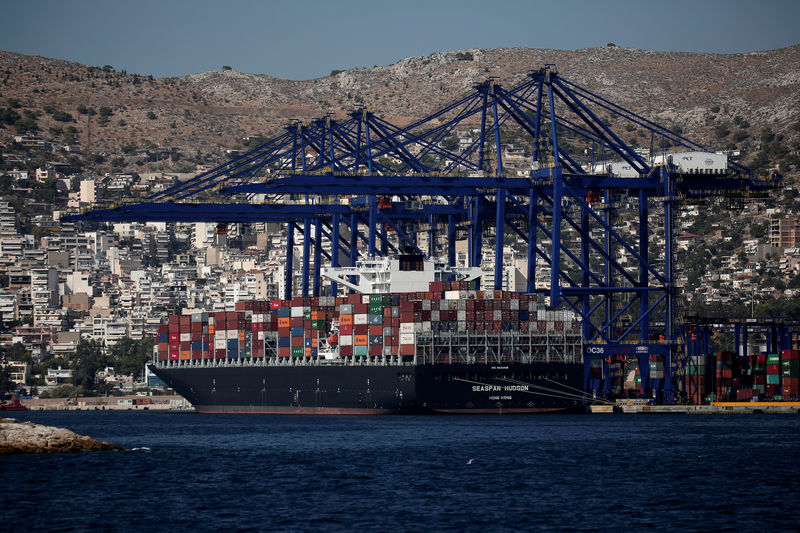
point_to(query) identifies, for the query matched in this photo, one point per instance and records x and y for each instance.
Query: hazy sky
(304, 39)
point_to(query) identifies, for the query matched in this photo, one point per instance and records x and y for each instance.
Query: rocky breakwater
(26, 437)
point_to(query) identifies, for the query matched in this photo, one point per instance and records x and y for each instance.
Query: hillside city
(80, 303)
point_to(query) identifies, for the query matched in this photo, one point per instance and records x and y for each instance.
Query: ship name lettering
(486, 388)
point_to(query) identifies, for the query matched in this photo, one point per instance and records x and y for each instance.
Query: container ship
(446, 349)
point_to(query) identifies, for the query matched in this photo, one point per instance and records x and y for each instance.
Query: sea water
(190, 472)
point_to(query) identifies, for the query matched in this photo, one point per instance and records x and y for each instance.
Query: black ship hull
(379, 389)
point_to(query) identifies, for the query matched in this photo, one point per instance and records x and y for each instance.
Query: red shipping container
(297, 341)
(284, 351)
(376, 349)
(407, 349)
(174, 337)
(346, 330)
(220, 354)
(296, 321)
(360, 329)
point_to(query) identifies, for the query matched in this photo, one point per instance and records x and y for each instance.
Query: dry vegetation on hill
(723, 101)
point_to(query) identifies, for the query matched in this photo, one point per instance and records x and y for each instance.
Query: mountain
(723, 101)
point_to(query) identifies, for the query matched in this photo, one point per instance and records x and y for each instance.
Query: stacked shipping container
(375, 325)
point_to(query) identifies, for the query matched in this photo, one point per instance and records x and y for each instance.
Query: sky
(306, 39)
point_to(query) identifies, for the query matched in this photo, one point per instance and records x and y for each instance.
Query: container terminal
(370, 201)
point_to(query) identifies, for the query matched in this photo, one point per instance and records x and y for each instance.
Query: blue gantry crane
(331, 178)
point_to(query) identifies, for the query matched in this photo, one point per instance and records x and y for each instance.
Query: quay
(106, 403)
(738, 408)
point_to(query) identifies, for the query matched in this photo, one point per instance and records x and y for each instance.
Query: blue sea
(190, 472)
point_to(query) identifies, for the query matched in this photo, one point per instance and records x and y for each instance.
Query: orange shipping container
(361, 340)
(346, 320)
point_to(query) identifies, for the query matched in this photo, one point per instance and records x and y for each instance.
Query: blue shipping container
(297, 331)
(233, 349)
(284, 342)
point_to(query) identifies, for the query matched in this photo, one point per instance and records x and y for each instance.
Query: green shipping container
(695, 371)
(773, 359)
(317, 324)
(376, 309)
(297, 351)
(307, 315)
(360, 350)
(375, 299)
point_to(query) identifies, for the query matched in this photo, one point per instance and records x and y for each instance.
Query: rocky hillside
(723, 101)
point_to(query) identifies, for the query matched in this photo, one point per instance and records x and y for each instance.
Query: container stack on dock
(762, 377)
(726, 385)
(696, 381)
(773, 377)
(790, 374)
(374, 326)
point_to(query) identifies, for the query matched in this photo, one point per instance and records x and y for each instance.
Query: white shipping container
(365, 298)
(260, 335)
(346, 309)
(406, 327)
(451, 295)
(426, 326)
(497, 314)
(426, 305)
(298, 311)
(361, 318)
(541, 314)
(186, 337)
(514, 304)
(461, 316)
(407, 338)
(219, 344)
(435, 316)
(345, 340)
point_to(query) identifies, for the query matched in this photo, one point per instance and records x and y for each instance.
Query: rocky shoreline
(26, 437)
